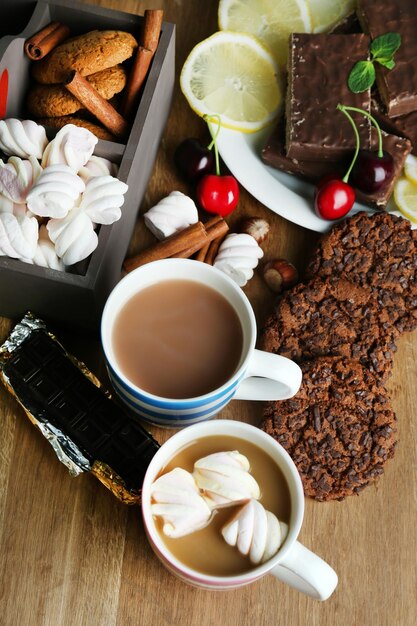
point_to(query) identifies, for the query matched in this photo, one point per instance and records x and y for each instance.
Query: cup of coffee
(179, 341)
(203, 558)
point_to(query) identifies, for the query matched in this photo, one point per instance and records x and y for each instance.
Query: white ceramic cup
(259, 375)
(293, 564)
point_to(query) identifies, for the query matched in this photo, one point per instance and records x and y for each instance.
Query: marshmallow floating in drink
(177, 500)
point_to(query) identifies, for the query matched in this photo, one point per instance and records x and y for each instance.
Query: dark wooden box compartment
(78, 298)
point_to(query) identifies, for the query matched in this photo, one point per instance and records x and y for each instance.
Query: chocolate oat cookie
(331, 317)
(339, 429)
(378, 251)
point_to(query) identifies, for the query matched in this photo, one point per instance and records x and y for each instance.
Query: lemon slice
(326, 13)
(410, 168)
(234, 76)
(405, 196)
(271, 21)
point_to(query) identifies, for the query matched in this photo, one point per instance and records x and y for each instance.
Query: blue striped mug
(259, 375)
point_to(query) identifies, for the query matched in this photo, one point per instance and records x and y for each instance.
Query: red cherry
(218, 194)
(327, 178)
(334, 199)
(4, 88)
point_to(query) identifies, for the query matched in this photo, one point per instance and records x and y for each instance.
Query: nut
(280, 274)
(256, 227)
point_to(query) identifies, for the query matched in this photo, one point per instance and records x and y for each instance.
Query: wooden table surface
(72, 555)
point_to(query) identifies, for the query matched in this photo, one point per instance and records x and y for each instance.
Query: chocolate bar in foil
(87, 430)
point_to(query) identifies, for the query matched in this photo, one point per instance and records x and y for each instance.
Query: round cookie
(89, 53)
(378, 251)
(54, 100)
(59, 122)
(339, 429)
(331, 317)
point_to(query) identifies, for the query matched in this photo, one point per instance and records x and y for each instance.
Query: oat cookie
(378, 251)
(331, 317)
(59, 122)
(339, 429)
(89, 53)
(54, 100)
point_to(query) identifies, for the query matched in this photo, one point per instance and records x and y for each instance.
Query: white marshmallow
(72, 146)
(224, 479)
(171, 214)
(17, 177)
(176, 499)
(238, 256)
(18, 235)
(45, 254)
(56, 191)
(97, 166)
(102, 199)
(73, 236)
(22, 138)
(255, 532)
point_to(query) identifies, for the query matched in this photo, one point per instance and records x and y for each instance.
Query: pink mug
(293, 563)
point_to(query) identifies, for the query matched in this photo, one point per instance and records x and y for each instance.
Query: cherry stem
(358, 141)
(374, 122)
(214, 136)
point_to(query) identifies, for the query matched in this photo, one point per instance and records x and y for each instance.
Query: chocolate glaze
(318, 70)
(403, 126)
(273, 154)
(397, 87)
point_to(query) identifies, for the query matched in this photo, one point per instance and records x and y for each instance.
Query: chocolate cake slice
(398, 86)
(318, 70)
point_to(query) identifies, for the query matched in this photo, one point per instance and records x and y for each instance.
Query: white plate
(286, 195)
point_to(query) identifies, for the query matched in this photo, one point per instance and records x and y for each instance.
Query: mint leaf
(384, 46)
(389, 63)
(361, 77)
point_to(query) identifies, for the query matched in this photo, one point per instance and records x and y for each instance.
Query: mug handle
(305, 571)
(269, 377)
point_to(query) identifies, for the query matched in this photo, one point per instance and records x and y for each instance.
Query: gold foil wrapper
(27, 347)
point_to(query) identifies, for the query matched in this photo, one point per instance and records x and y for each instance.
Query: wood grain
(71, 555)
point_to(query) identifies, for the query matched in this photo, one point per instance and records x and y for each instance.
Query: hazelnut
(256, 227)
(280, 274)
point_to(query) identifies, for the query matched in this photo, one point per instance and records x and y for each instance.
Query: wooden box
(77, 297)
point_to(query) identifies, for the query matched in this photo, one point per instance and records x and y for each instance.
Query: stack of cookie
(97, 55)
(341, 327)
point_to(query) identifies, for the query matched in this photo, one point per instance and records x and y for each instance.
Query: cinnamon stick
(96, 104)
(180, 245)
(142, 61)
(193, 235)
(217, 229)
(201, 254)
(45, 40)
(213, 250)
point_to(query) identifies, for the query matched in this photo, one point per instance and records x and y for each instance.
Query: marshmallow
(102, 199)
(8, 206)
(224, 479)
(72, 146)
(18, 235)
(45, 254)
(22, 138)
(171, 214)
(73, 236)
(255, 532)
(97, 166)
(175, 498)
(17, 177)
(56, 192)
(238, 256)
